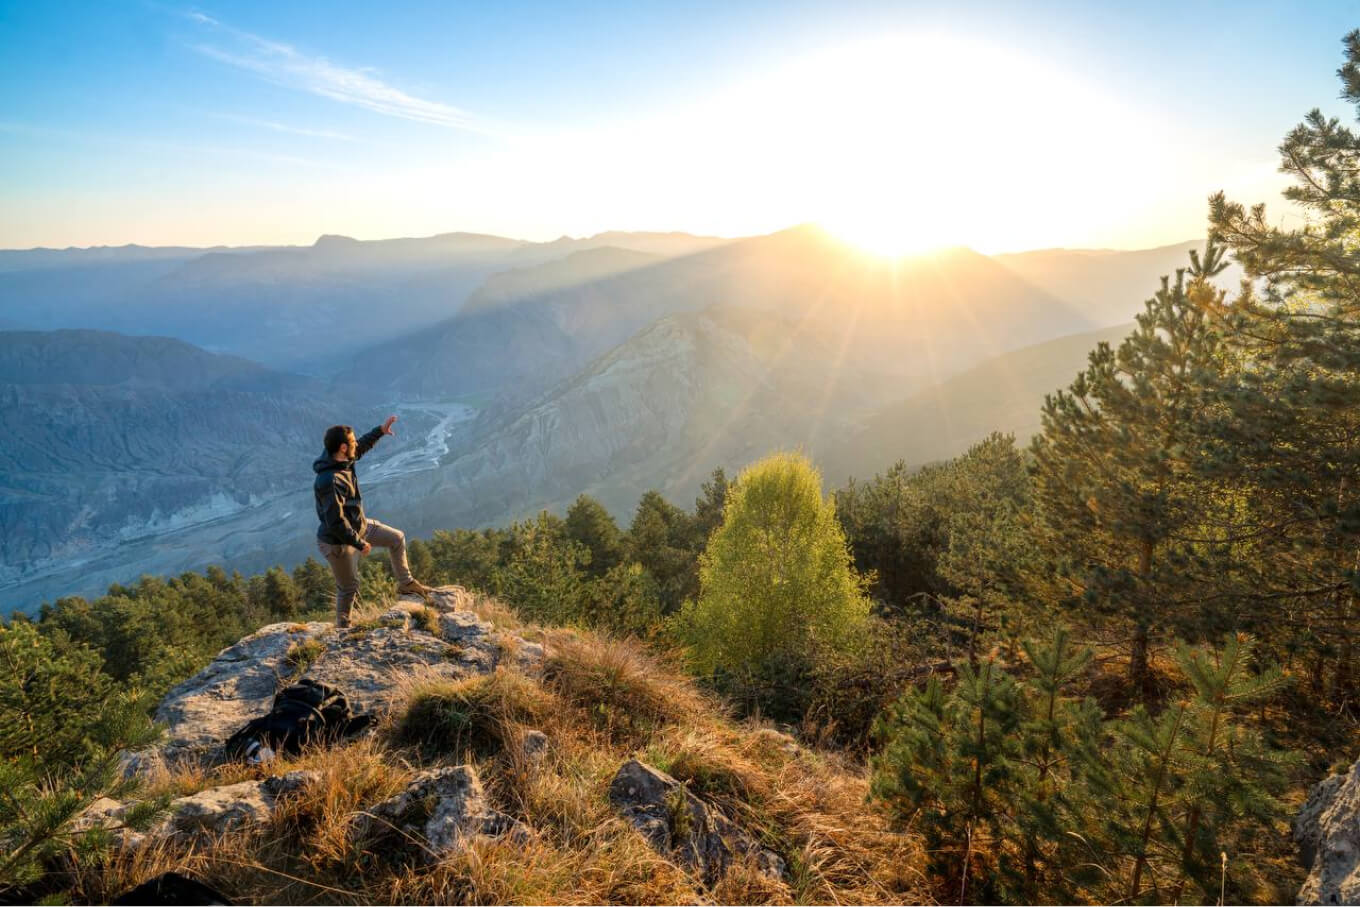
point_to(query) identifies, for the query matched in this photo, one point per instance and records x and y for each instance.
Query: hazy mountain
(690, 392)
(109, 438)
(45, 259)
(1109, 286)
(1004, 394)
(101, 358)
(914, 319)
(300, 308)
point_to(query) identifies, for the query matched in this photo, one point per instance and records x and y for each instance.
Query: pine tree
(1115, 470)
(1289, 435)
(1175, 791)
(1051, 863)
(659, 540)
(590, 525)
(544, 574)
(986, 491)
(946, 767)
(64, 726)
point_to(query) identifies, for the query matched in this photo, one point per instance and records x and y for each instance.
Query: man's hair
(337, 435)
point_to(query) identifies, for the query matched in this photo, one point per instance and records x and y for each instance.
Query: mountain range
(524, 373)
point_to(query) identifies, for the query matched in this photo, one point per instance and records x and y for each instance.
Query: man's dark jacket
(339, 505)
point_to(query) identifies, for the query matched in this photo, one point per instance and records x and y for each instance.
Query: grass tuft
(302, 654)
(474, 716)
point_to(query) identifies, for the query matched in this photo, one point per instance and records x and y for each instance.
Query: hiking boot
(415, 587)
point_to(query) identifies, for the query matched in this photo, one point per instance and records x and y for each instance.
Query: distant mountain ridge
(300, 308)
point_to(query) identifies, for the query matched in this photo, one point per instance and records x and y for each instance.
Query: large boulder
(1327, 830)
(435, 816)
(682, 827)
(371, 663)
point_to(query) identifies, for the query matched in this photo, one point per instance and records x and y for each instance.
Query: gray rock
(370, 664)
(1327, 830)
(681, 826)
(441, 809)
(446, 598)
(533, 747)
(463, 626)
(205, 814)
(239, 684)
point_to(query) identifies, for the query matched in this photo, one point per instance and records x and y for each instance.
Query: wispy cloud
(284, 64)
(285, 128)
(161, 146)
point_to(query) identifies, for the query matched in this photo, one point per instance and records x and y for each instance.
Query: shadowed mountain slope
(1108, 285)
(1002, 394)
(111, 437)
(690, 392)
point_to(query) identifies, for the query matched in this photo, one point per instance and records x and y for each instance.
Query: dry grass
(472, 716)
(627, 692)
(600, 701)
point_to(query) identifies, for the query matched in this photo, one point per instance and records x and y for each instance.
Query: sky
(901, 126)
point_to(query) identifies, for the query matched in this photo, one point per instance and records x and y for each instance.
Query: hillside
(510, 764)
(297, 307)
(1003, 394)
(686, 394)
(112, 437)
(1109, 286)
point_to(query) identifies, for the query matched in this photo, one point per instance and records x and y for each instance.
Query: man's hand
(387, 426)
(366, 548)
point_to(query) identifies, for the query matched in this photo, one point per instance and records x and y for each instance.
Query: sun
(909, 143)
(886, 234)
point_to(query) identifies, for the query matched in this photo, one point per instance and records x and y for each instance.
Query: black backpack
(172, 888)
(305, 713)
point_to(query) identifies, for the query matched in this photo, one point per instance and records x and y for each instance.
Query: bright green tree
(776, 580)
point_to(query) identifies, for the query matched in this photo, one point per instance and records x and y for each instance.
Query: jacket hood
(327, 463)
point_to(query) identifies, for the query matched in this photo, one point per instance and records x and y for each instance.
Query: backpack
(172, 888)
(306, 712)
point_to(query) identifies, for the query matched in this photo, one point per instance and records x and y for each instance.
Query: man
(345, 532)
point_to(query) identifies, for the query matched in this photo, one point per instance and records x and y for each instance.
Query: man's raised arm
(365, 444)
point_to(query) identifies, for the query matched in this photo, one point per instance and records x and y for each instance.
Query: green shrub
(777, 587)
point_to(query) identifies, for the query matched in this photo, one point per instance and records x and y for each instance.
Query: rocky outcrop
(1327, 830)
(203, 815)
(370, 662)
(682, 827)
(436, 815)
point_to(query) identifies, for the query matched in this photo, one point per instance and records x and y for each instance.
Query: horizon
(585, 237)
(898, 129)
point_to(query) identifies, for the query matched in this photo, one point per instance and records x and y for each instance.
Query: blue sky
(1070, 123)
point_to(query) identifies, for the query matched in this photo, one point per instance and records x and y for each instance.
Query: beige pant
(344, 561)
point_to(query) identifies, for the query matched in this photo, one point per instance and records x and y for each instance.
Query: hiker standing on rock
(345, 532)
